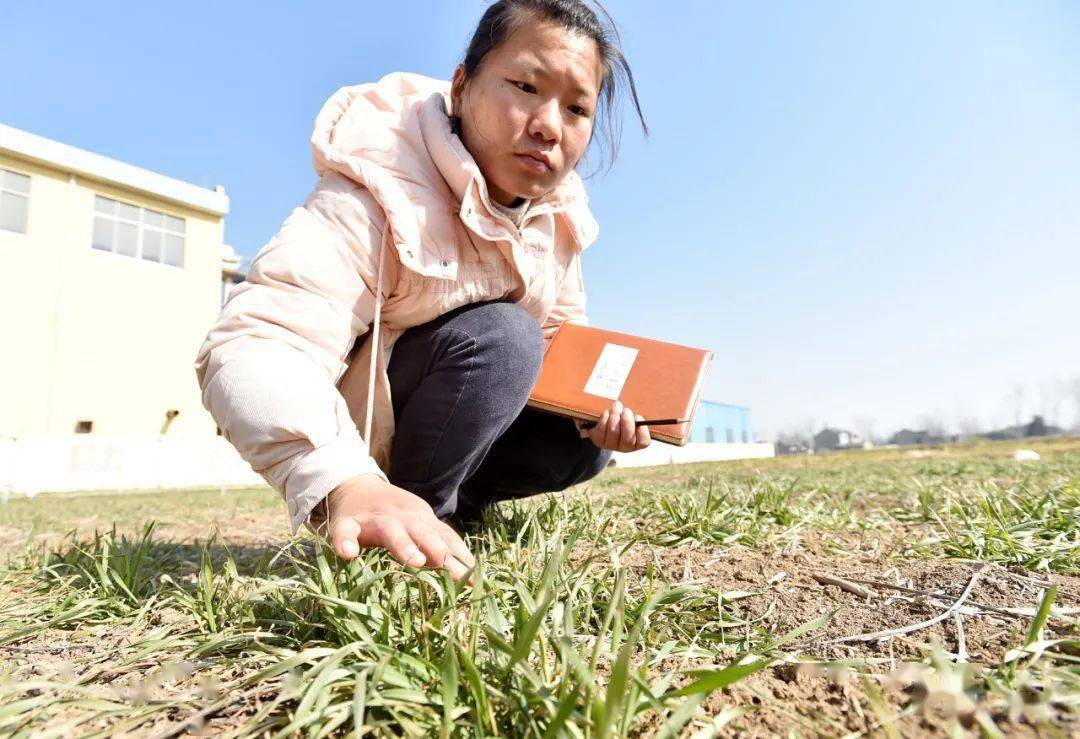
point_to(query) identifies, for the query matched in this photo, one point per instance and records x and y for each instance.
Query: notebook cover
(585, 368)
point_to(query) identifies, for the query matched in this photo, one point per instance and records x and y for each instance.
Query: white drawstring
(376, 321)
(375, 339)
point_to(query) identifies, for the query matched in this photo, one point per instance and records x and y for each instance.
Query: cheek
(575, 141)
(510, 121)
(498, 119)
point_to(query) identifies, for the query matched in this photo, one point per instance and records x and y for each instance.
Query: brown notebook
(586, 368)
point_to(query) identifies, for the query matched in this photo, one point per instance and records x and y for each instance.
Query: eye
(524, 87)
(579, 111)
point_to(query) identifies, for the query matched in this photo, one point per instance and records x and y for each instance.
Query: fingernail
(467, 561)
(416, 558)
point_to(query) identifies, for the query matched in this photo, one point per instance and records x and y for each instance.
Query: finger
(598, 433)
(458, 553)
(393, 537)
(457, 569)
(627, 430)
(614, 419)
(436, 550)
(431, 545)
(457, 546)
(344, 533)
(643, 436)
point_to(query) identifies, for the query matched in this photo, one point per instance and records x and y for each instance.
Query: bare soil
(787, 592)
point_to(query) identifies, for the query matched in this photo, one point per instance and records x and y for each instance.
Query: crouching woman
(412, 294)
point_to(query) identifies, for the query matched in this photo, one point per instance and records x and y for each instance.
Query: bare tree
(933, 424)
(793, 436)
(865, 426)
(967, 423)
(1053, 395)
(968, 426)
(1016, 400)
(1074, 387)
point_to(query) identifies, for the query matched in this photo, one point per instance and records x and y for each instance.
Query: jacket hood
(393, 137)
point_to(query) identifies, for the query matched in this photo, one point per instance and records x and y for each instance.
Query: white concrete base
(658, 453)
(49, 463)
(53, 463)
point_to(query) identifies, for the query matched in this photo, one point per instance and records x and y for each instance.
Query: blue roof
(725, 405)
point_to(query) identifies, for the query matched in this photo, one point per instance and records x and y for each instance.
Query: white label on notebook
(611, 370)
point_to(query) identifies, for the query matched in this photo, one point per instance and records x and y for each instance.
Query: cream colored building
(111, 276)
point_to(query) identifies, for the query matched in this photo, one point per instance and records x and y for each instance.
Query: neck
(505, 199)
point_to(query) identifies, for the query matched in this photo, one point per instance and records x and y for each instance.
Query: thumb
(344, 533)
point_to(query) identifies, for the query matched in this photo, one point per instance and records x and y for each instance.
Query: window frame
(24, 195)
(164, 229)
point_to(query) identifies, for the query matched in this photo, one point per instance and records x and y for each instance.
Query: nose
(545, 124)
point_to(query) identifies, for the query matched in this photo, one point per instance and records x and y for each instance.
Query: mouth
(536, 163)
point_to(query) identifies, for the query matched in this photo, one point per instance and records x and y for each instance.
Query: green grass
(115, 617)
(195, 510)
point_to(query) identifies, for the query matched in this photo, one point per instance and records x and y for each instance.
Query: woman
(438, 253)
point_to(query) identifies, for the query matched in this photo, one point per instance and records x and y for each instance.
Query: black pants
(464, 438)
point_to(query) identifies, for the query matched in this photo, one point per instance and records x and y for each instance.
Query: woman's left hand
(616, 430)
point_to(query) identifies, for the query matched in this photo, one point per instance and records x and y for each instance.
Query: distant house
(830, 438)
(791, 447)
(1037, 427)
(908, 437)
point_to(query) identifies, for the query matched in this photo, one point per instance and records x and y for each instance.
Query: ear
(457, 87)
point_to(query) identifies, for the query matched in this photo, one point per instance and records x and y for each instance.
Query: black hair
(504, 17)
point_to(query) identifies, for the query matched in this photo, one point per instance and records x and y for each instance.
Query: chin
(520, 190)
(532, 190)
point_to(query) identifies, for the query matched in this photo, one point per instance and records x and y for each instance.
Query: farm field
(923, 592)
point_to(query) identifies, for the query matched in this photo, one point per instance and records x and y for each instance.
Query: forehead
(551, 51)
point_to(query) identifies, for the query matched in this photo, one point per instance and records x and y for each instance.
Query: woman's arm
(269, 370)
(269, 366)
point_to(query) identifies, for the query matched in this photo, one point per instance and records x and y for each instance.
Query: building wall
(715, 421)
(658, 453)
(99, 336)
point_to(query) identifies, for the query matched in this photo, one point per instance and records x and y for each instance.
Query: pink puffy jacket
(399, 203)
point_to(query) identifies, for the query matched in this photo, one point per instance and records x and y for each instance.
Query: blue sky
(870, 212)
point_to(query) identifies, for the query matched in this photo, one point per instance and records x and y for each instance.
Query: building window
(745, 437)
(710, 434)
(137, 232)
(729, 435)
(14, 201)
(84, 427)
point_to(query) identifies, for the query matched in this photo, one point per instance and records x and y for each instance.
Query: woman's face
(527, 114)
